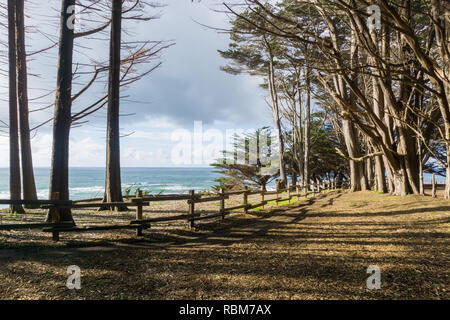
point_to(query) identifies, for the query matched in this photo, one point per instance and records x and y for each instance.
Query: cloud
(86, 152)
(188, 87)
(155, 122)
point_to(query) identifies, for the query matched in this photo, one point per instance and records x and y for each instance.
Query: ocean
(87, 183)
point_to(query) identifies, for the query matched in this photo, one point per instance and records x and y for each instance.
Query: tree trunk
(59, 175)
(447, 94)
(307, 134)
(380, 175)
(357, 171)
(276, 113)
(371, 183)
(407, 146)
(400, 181)
(357, 175)
(420, 156)
(447, 174)
(389, 138)
(14, 158)
(299, 129)
(406, 140)
(295, 163)
(390, 178)
(442, 22)
(28, 183)
(378, 108)
(113, 184)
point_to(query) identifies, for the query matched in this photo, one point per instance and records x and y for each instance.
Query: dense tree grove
(379, 73)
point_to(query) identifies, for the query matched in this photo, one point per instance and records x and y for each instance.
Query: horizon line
(99, 167)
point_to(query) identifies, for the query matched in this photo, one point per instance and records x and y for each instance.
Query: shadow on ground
(316, 249)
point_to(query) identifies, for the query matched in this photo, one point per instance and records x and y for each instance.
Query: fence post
(262, 196)
(245, 200)
(433, 186)
(289, 192)
(277, 190)
(138, 201)
(305, 188)
(297, 190)
(222, 203)
(55, 216)
(191, 223)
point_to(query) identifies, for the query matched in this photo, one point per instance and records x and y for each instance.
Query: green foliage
(249, 164)
(128, 191)
(250, 47)
(226, 183)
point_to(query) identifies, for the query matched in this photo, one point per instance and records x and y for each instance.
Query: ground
(313, 249)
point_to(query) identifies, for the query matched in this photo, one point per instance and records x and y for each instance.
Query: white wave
(86, 192)
(42, 193)
(4, 194)
(87, 189)
(174, 187)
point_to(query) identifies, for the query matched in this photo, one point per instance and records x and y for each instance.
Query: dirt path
(317, 249)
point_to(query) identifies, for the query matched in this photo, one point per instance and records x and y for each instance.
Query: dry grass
(315, 249)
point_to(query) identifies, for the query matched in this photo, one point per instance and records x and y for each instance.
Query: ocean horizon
(88, 182)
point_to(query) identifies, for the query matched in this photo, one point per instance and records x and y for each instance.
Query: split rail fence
(139, 202)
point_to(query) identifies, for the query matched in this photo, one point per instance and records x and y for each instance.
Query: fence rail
(139, 202)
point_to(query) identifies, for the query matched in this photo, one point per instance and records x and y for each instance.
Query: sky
(188, 91)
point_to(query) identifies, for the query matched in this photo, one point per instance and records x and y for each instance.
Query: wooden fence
(139, 202)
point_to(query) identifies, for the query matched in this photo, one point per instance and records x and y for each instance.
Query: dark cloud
(189, 85)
